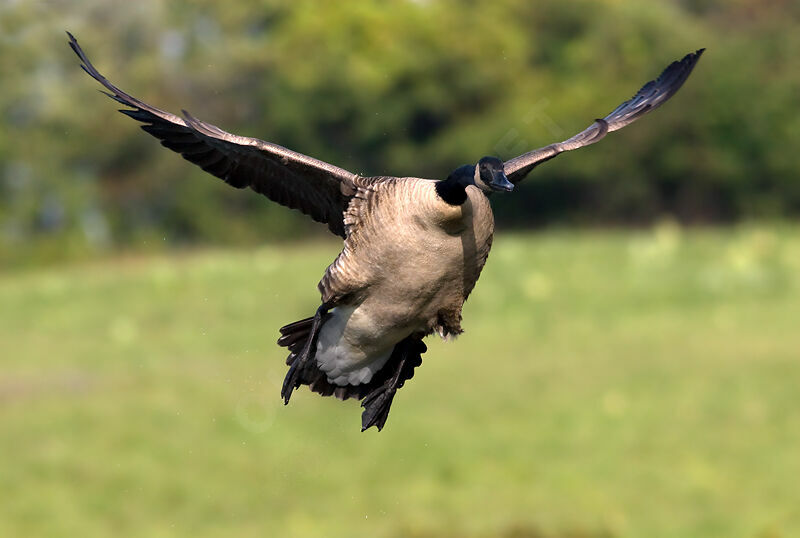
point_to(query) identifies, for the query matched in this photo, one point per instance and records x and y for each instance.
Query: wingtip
(694, 57)
(76, 48)
(73, 44)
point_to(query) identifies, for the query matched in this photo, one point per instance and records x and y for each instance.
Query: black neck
(451, 191)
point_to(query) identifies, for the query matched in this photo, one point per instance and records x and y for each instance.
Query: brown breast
(410, 255)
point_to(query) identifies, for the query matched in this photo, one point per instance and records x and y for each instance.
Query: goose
(413, 247)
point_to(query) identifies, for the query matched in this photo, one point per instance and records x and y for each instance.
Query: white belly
(351, 347)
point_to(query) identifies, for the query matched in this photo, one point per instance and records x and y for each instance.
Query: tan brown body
(408, 264)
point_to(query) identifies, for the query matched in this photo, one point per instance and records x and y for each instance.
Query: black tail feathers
(377, 395)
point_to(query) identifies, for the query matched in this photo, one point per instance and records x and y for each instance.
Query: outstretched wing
(651, 96)
(314, 187)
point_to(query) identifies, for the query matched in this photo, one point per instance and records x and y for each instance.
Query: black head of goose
(488, 175)
(379, 300)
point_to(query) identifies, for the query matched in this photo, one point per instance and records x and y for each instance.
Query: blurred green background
(630, 364)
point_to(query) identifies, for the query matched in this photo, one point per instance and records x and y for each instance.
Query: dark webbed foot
(407, 355)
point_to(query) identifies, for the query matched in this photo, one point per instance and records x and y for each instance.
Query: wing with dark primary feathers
(314, 187)
(650, 97)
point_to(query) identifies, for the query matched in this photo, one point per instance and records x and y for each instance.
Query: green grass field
(608, 384)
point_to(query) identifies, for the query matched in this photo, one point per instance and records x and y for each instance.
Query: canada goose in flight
(413, 248)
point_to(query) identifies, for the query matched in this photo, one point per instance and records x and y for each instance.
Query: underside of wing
(314, 187)
(651, 96)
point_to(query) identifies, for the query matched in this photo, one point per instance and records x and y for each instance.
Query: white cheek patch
(478, 181)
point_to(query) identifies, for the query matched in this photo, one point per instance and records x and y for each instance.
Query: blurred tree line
(399, 87)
